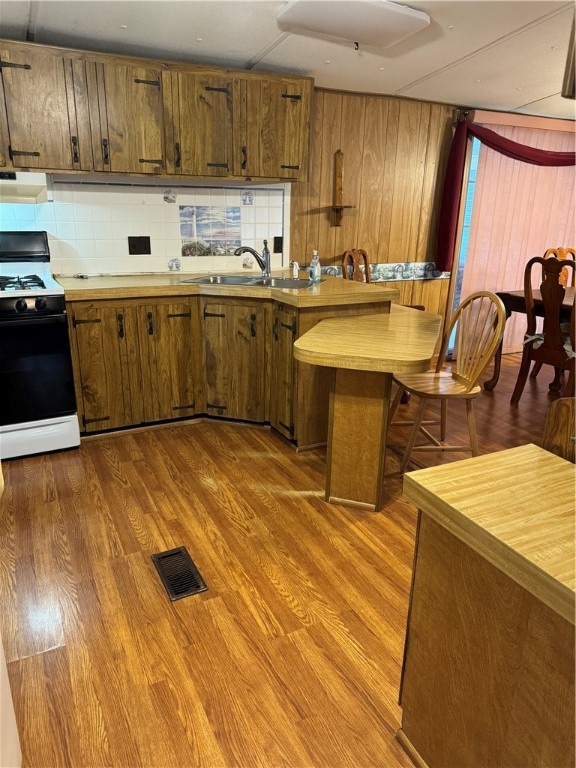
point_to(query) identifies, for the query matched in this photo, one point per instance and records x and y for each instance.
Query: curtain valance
(448, 222)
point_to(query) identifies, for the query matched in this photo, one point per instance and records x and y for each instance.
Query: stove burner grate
(25, 283)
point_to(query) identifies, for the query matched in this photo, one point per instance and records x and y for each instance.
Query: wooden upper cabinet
(198, 123)
(45, 109)
(126, 117)
(272, 123)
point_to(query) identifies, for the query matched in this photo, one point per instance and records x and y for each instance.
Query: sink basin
(223, 280)
(283, 282)
(251, 280)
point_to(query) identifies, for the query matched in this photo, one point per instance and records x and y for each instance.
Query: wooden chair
(554, 344)
(559, 253)
(356, 266)
(478, 324)
(560, 429)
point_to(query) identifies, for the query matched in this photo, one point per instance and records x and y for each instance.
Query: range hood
(23, 187)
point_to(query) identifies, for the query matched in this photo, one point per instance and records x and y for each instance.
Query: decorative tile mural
(209, 230)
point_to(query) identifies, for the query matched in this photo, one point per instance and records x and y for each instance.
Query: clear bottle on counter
(315, 271)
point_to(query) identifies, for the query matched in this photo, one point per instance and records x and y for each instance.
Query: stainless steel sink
(283, 282)
(223, 280)
(251, 280)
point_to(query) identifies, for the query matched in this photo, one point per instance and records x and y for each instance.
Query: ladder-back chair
(560, 429)
(356, 266)
(478, 325)
(554, 344)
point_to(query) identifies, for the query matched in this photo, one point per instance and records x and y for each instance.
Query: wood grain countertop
(516, 508)
(402, 342)
(331, 291)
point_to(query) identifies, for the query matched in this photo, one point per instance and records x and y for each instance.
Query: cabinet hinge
(213, 314)
(86, 421)
(290, 326)
(76, 321)
(17, 153)
(154, 161)
(217, 165)
(184, 407)
(12, 65)
(180, 314)
(219, 90)
(217, 407)
(155, 83)
(291, 167)
(293, 96)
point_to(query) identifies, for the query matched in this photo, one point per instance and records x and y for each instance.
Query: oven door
(35, 369)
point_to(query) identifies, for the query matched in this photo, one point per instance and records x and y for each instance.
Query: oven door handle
(42, 320)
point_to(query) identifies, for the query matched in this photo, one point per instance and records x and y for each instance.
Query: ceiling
(507, 55)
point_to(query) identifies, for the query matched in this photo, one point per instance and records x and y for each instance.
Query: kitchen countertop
(331, 291)
(516, 509)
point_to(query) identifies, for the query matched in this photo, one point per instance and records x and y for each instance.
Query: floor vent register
(178, 573)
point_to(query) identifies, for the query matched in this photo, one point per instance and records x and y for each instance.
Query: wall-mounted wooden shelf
(338, 208)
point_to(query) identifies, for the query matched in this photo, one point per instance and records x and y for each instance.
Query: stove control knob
(20, 305)
(40, 303)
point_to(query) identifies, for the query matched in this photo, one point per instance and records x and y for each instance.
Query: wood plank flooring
(293, 655)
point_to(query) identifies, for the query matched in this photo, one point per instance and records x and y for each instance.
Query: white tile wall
(88, 225)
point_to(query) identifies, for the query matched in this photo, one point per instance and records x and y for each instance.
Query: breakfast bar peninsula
(364, 353)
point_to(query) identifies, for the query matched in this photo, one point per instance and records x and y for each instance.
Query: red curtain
(448, 221)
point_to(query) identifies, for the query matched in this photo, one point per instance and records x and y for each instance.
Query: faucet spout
(263, 260)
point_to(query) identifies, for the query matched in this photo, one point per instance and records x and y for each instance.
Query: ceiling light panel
(375, 23)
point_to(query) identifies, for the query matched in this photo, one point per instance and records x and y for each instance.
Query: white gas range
(38, 404)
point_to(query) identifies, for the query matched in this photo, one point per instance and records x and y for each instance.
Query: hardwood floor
(293, 655)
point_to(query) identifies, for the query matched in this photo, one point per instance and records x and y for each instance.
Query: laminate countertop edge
(332, 291)
(556, 593)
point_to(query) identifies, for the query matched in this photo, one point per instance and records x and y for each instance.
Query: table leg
(358, 424)
(491, 383)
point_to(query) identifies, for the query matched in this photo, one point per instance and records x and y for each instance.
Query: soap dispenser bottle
(315, 268)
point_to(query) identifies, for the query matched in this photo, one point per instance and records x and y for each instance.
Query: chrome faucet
(263, 260)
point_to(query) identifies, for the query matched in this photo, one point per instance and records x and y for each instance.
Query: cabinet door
(169, 346)
(283, 367)
(272, 127)
(234, 359)
(127, 118)
(41, 95)
(202, 123)
(108, 368)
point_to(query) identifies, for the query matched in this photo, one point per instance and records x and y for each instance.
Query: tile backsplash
(193, 229)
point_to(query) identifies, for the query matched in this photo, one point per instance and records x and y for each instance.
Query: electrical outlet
(278, 244)
(139, 245)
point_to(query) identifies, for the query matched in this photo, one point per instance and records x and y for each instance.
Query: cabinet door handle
(75, 155)
(275, 328)
(177, 155)
(244, 157)
(150, 317)
(253, 325)
(120, 319)
(105, 152)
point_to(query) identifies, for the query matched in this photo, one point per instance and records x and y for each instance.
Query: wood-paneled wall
(395, 152)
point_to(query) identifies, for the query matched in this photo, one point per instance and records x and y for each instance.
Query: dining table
(364, 352)
(514, 301)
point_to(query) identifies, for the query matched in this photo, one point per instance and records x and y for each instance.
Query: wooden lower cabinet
(235, 358)
(283, 369)
(135, 363)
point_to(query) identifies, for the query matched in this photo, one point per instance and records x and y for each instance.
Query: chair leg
(570, 384)
(556, 384)
(535, 370)
(396, 402)
(472, 428)
(413, 435)
(443, 412)
(521, 380)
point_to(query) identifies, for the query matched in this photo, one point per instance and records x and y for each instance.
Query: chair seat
(435, 385)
